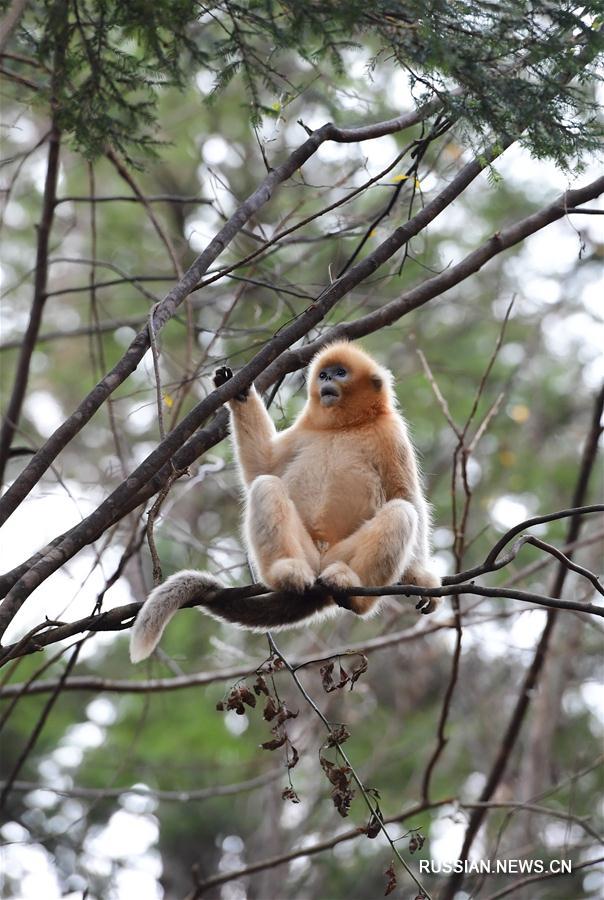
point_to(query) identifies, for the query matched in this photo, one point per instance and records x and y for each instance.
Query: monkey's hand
(224, 374)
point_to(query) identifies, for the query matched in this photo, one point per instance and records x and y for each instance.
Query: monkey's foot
(338, 576)
(427, 605)
(290, 574)
(423, 578)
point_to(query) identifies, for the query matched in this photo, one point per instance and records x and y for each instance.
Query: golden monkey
(333, 501)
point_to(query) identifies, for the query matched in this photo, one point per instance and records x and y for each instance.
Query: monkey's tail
(274, 611)
(161, 604)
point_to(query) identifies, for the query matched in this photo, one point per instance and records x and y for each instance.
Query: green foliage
(509, 68)
(101, 64)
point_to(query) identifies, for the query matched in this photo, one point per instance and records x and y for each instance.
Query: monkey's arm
(401, 479)
(253, 430)
(398, 467)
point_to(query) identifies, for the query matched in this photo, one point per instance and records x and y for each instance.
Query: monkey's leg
(286, 556)
(375, 554)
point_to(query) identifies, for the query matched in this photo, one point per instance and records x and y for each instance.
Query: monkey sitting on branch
(333, 502)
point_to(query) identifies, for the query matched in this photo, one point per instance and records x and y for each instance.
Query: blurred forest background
(430, 222)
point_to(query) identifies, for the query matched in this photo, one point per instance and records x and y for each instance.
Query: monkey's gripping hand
(224, 374)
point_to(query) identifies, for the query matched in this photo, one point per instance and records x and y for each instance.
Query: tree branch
(168, 306)
(175, 796)
(28, 344)
(63, 548)
(10, 21)
(121, 618)
(197, 679)
(532, 675)
(311, 850)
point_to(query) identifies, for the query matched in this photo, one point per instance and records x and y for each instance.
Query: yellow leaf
(372, 233)
(169, 401)
(417, 183)
(400, 177)
(520, 413)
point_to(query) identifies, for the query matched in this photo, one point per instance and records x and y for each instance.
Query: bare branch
(128, 198)
(185, 795)
(94, 525)
(37, 729)
(521, 805)
(311, 850)
(532, 675)
(121, 618)
(138, 347)
(10, 21)
(13, 410)
(197, 679)
(28, 344)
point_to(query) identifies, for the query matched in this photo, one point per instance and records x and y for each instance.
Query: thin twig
(36, 730)
(186, 795)
(531, 677)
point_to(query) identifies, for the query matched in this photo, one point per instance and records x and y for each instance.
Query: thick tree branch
(433, 287)
(93, 526)
(168, 306)
(120, 618)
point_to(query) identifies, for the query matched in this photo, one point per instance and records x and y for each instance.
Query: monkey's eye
(341, 373)
(322, 376)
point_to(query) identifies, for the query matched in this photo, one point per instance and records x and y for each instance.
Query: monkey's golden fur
(334, 499)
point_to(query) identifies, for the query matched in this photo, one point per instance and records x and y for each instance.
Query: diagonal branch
(309, 850)
(93, 526)
(293, 360)
(168, 306)
(433, 287)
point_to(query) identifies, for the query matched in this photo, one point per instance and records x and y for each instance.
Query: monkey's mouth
(329, 395)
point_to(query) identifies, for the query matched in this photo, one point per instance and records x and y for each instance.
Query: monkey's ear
(377, 381)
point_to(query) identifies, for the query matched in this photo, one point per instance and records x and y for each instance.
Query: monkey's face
(346, 387)
(331, 380)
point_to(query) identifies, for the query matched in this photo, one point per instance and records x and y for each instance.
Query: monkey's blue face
(331, 379)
